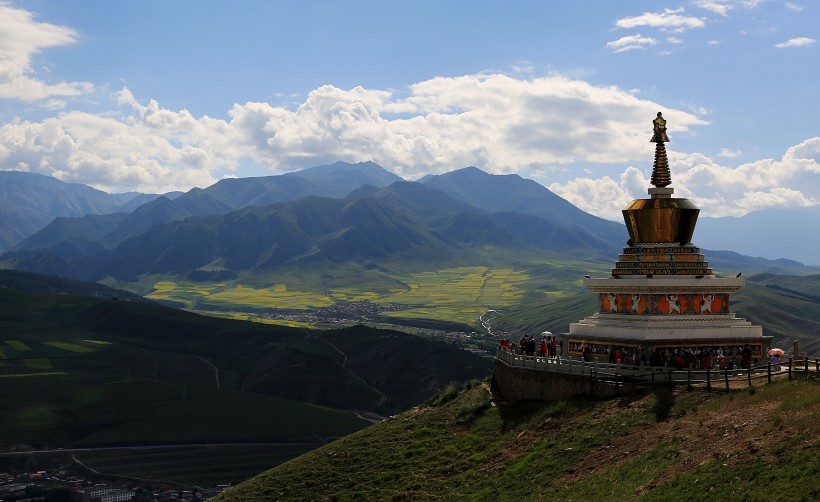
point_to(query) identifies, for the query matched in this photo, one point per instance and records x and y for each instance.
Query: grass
(18, 345)
(466, 445)
(71, 347)
(42, 363)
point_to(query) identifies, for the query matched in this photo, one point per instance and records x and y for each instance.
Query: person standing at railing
(746, 357)
(618, 355)
(542, 349)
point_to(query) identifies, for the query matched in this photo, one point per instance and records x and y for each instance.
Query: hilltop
(753, 444)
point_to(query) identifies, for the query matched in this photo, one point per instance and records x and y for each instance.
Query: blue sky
(163, 95)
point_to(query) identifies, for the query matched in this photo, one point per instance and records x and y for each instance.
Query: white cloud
(496, 122)
(21, 37)
(796, 42)
(793, 7)
(729, 153)
(631, 42)
(719, 190)
(668, 20)
(720, 7)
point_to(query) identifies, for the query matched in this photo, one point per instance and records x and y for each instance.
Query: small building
(101, 494)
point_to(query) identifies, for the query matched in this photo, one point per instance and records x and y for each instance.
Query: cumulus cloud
(796, 42)
(793, 7)
(496, 122)
(668, 20)
(604, 196)
(146, 148)
(631, 42)
(21, 37)
(719, 190)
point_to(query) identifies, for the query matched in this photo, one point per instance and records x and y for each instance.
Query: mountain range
(298, 219)
(70, 220)
(28, 202)
(769, 233)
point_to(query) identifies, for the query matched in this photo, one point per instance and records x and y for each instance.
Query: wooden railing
(648, 375)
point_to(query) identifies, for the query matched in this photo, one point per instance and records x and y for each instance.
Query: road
(151, 447)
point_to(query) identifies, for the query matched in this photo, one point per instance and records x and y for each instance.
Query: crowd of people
(547, 346)
(708, 357)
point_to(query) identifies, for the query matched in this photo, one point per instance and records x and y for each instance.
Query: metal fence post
(726, 377)
(790, 368)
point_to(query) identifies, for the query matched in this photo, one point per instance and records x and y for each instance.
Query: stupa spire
(661, 177)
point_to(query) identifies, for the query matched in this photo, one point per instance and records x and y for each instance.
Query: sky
(158, 95)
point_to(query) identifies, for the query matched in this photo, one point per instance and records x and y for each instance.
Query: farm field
(226, 297)
(458, 294)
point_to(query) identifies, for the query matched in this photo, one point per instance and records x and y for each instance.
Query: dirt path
(209, 363)
(382, 396)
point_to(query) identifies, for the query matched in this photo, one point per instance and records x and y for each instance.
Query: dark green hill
(79, 370)
(682, 446)
(51, 284)
(805, 286)
(63, 234)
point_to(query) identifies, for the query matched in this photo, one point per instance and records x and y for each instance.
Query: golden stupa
(662, 297)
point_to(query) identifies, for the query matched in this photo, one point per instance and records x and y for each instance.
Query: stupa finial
(661, 177)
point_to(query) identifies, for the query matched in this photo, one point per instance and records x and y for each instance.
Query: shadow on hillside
(664, 399)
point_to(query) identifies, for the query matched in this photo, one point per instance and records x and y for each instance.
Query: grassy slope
(760, 445)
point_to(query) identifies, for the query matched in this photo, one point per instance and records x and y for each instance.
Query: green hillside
(78, 370)
(759, 444)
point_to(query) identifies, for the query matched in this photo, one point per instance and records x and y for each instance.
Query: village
(67, 485)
